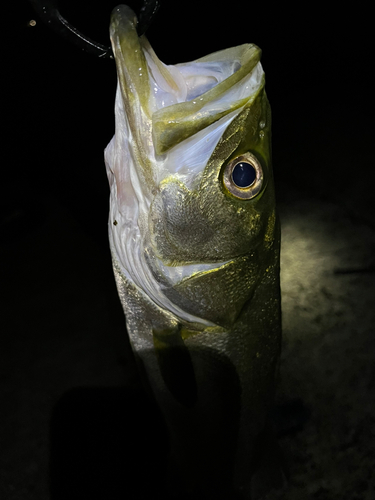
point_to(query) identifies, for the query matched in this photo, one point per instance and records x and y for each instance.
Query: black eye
(243, 176)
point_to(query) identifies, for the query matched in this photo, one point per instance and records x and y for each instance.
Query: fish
(195, 244)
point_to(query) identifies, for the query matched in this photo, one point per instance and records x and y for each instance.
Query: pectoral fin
(175, 365)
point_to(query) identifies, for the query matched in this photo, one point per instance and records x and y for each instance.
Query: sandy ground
(328, 351)
(66, 372)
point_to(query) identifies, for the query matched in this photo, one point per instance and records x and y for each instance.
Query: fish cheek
(201, 226)
(177, 227)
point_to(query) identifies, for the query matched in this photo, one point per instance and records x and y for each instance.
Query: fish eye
(243, 176)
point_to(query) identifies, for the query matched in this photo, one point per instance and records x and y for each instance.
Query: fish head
(190, 173)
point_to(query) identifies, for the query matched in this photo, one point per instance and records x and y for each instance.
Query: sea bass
(195, 242)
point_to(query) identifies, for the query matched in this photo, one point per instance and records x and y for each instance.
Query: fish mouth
(183, 99)
(130, 60)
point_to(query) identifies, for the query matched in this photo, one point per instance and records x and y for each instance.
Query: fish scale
(196, 261)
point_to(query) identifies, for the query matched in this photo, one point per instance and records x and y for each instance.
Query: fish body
(195, 243)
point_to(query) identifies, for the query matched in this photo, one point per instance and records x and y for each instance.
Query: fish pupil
(243, 175)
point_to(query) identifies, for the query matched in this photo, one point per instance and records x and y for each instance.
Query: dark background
(318, 64)
(60, 310)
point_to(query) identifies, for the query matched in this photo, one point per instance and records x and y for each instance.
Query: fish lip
(172, 124)
(130, 60)
(139, 71)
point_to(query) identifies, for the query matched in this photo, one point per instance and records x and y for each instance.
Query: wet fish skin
(197, 268)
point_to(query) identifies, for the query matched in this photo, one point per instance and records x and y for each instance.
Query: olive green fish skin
(213, 375)
(178, 122)
(215, 446)
(209, 224)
